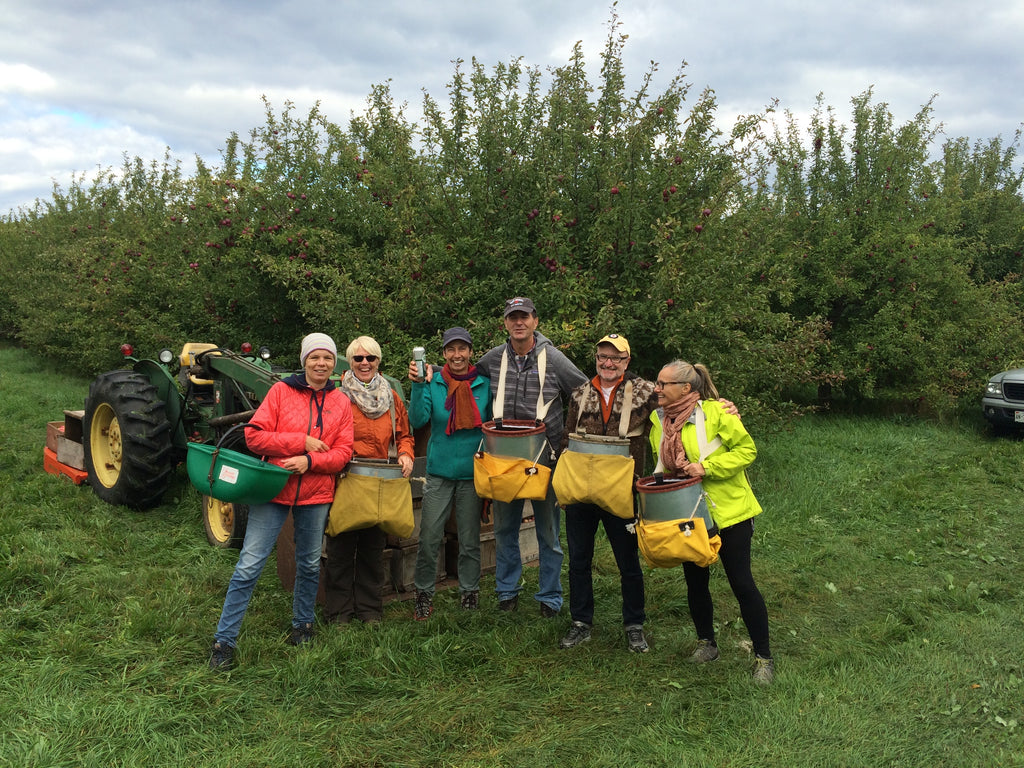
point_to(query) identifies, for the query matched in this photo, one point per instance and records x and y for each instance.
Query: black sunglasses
(367, 358)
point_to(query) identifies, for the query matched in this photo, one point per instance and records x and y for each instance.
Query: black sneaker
(578, 633)
(636, 640)
(509, 605)
(424, 606)
(222, 656)
(301, 635)
(470, 601)
(547, 612)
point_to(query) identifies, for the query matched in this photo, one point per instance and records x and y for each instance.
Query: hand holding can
(419, 355)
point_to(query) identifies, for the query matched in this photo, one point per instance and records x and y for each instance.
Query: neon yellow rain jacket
(731, 499)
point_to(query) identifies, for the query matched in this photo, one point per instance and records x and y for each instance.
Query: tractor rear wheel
(127, 440)
(224, 522)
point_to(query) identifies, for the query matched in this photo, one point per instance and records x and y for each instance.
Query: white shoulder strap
(583, 404)
(627, 409)
(624, 414)
(499, 397)
(706, 448)
(542, 365)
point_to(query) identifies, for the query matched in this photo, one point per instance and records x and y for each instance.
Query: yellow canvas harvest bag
(594, 478)
(598, 469)
(502, 470)
(370, 494)
(668, 543)
(506, 479)
(684, 536)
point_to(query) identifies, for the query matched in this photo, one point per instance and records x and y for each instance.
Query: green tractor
(138, 424)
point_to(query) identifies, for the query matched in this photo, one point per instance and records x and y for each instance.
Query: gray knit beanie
(316, 341)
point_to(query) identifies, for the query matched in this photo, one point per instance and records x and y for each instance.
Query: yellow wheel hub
(220, 517)
(105, 445)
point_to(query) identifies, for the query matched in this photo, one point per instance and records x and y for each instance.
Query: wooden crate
(403, 566)
(529, 550)
(54, 429)
(69, 443)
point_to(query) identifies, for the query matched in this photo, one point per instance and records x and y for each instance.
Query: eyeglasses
(612, 359)
(659, 384)
(367, 358)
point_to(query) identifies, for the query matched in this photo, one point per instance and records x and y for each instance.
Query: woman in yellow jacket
(682, 390)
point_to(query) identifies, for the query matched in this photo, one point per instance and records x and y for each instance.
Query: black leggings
(735, 557)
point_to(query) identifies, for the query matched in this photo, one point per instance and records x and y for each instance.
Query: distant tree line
(838, 260)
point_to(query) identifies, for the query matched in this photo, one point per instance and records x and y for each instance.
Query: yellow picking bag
(668, 543)
(366, 500)
(506, 479)
(593, 478)
(598, 469)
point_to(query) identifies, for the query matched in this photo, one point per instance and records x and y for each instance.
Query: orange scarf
(676, 414)
(460, 403)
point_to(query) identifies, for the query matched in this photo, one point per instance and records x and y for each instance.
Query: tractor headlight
(264, 353)
(166, 356)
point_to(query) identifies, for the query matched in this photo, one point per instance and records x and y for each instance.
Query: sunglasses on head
(367, 358)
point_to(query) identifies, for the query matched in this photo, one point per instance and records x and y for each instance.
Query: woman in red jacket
(354, 573)
(305, 426)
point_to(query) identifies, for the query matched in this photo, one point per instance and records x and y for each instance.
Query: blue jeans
(581, 522)
(265, 522)
(508, 517)
(438, 494)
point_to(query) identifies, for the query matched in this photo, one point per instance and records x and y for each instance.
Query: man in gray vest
(529, 376)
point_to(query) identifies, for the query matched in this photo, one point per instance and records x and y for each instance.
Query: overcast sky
(83, 83)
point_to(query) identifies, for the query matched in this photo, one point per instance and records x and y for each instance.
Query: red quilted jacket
(290, 411)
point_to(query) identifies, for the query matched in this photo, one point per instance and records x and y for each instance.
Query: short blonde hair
(364, 342)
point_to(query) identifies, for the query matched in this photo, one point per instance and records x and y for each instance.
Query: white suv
(1003, 403)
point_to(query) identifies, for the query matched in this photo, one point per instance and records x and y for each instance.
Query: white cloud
(22, 78)
(83, 84)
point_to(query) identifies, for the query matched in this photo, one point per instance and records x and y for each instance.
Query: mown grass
(889, 555)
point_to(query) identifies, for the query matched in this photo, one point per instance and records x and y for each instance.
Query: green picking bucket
(232, 476)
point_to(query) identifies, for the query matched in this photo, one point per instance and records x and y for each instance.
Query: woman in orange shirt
(354, 573)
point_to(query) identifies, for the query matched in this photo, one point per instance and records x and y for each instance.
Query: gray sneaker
(705, 651)
(578, 633)
(636, 640)
(764, 670)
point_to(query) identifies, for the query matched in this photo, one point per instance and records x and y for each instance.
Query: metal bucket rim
(648, 484)
(372, 466)
(513, 428)
(583, 437)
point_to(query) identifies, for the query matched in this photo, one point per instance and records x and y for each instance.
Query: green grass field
(889, 554)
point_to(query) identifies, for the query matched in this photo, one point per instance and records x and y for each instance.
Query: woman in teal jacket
(687, 396)
(455, 401)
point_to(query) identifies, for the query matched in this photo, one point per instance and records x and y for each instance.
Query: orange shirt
(373, 437)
